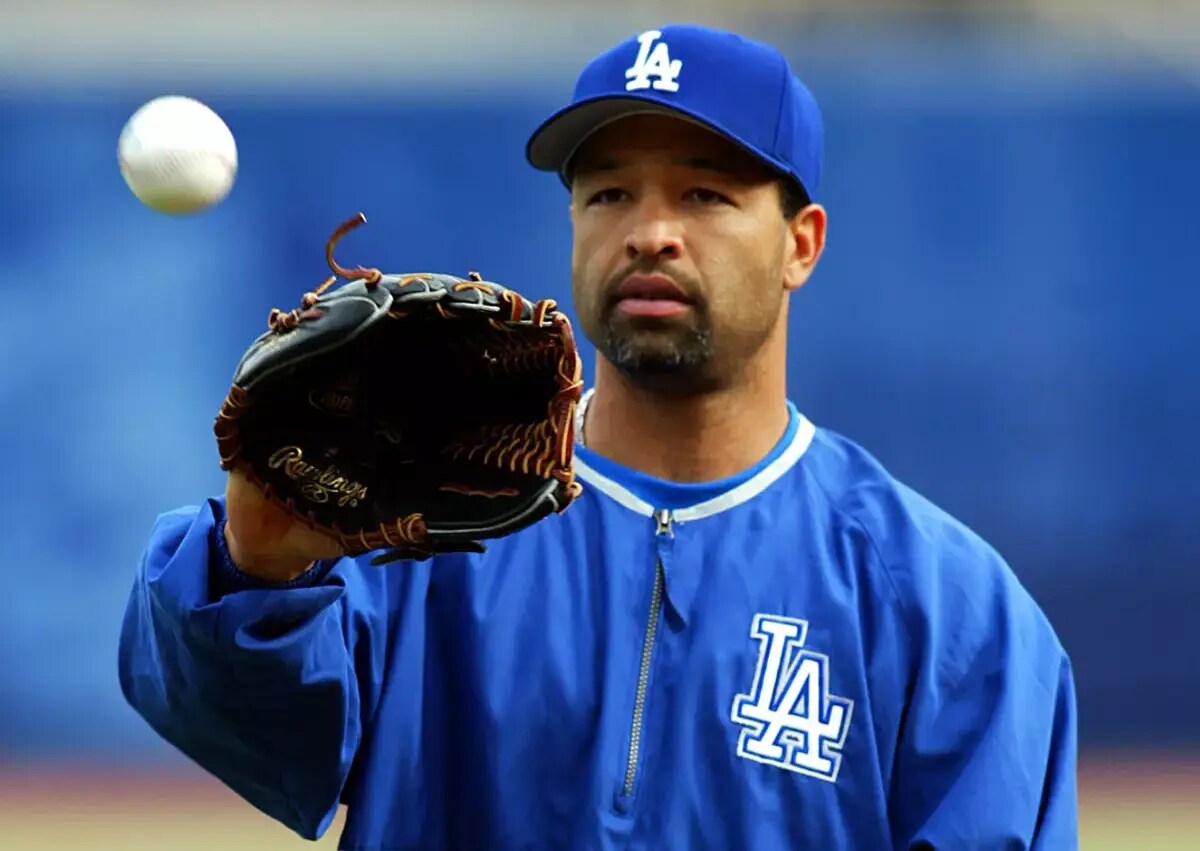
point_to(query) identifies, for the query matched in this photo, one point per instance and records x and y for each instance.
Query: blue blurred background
(1005, 313)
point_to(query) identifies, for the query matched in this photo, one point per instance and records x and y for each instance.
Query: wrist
(273, 569)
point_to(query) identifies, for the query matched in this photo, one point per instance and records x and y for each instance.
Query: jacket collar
(724, 501)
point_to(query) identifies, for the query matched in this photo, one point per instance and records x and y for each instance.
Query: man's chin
(677, 364)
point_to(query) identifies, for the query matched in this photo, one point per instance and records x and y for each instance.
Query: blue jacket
(809, 655)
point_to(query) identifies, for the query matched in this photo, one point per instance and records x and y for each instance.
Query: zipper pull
(663, 518)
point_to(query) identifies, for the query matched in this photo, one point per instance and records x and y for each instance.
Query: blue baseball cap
(738, 87)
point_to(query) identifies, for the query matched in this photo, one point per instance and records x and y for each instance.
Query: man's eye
(707, 196)
(606, 196)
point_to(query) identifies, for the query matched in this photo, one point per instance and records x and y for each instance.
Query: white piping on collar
(747, 490)
(611, 489)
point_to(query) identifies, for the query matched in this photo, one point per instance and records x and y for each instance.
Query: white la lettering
(789, 719)
(656, 63)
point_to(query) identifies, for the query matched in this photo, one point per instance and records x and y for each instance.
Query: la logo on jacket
(788, 718)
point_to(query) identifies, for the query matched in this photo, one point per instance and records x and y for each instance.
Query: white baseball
(177, 155)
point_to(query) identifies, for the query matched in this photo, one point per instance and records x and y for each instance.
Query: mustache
(689, 286)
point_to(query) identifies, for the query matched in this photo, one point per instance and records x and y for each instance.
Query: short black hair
(793, 197)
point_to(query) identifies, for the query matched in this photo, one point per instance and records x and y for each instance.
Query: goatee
(677, 362)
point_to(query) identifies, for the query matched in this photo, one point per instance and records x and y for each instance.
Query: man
(743, 635)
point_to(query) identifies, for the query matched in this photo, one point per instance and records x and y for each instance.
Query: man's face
(680, 252)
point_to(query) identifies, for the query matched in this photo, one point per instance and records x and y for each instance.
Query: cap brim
(553, 144)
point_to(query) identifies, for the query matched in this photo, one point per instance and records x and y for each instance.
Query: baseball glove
(416, 413)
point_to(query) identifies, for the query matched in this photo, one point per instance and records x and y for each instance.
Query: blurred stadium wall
(1005, 315)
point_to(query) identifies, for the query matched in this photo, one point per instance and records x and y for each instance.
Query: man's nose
(655, 233)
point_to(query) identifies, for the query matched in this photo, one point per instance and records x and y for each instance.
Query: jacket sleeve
(986, 756)
(266, 687)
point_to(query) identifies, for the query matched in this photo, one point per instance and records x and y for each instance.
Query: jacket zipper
(639, 703)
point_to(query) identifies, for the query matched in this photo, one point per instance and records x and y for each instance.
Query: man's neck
(685, 439)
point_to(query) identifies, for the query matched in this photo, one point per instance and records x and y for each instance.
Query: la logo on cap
(655, 63)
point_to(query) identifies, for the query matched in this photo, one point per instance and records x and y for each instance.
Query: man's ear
(806, 230)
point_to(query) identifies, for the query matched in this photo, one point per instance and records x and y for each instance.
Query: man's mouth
(651, 295)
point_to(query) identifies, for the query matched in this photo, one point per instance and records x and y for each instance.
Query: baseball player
(744, 634)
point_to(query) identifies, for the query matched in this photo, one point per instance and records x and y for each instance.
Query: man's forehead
(664, 139)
